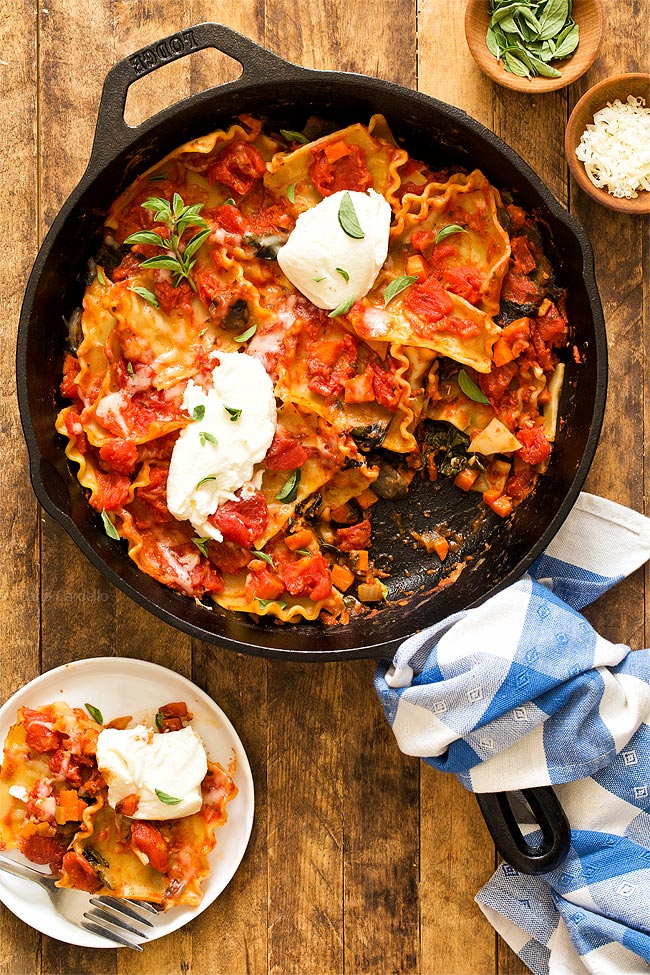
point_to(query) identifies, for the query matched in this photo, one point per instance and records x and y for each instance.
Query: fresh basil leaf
(290, 136)
(398, 285)
(194, 244)
(204, 480)
(543, 69)
(233, 413)
(177, 205)
(129, 368)
(146, 237)
(343, 308)
(100, 276)
(264, 557)
(492, 42)
(157, 203)
(198, 412)
(109, 527)
(202, 545)
(344, 274)
(160, 717)
(503, 12)
(515, 66)
(451, 228)
(94, 713)
(318, 280)
(229, 202)
(168, 800)
(248, 334)
(291, 193)
(205, 437)
(148, 296)
(348, 218)
(289, 489)
(471, 390)
(553, 18)
(267, 602)
(567, 42)
(169, 263)
(303, 551)
(203, 331)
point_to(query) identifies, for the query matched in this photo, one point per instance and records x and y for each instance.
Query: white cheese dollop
(240, 383)
(137, 761)
(318, 245)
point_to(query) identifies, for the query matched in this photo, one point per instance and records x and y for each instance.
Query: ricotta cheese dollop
(136, 761)
(215, 455)
(326, 264)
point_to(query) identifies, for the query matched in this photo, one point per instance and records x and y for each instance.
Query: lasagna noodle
(383, 159)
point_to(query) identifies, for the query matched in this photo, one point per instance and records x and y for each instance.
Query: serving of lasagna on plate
(282, 328)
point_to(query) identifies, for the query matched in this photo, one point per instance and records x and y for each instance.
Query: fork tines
(107, 912)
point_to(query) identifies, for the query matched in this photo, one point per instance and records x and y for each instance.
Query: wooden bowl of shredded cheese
(607, 143)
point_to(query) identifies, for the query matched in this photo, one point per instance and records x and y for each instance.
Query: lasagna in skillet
(282, 328)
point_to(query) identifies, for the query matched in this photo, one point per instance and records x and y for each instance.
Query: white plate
(119, 686)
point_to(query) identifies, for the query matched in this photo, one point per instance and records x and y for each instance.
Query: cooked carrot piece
(300, 539)
(465, 479)
(342, 578)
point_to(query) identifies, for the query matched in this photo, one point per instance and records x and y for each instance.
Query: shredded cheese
(615, 149)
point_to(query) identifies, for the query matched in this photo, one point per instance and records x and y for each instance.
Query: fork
(74, 906)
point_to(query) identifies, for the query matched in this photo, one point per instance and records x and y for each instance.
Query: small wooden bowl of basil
(537, 48)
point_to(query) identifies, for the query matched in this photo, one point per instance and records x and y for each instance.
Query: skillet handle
(112, 133)
(510, 841)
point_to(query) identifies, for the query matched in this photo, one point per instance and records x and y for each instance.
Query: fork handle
(22, 870)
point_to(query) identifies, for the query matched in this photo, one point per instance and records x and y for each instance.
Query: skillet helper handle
(510, 841)
(257, 64)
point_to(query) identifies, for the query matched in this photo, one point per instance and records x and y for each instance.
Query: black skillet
(495, 551)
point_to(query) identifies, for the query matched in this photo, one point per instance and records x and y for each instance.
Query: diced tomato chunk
(262, 583)
(171, 297)
(71, 369)
(285, 453)
(463, 281)
(230, 558)
(120, 455)
(242, 521)
(495, 383)
(39, 733)
(330, 363)
(45, 849)
(519, 485)
(309, 576)
(155, 492)
(536, 447)
(149, 841)
(385, 387)
(238, 166)
(523, 260)
(551, 328)
(112, 491)
(128, 806)
(63, 765)
(429, 300)
(81, 874)
(338, 166)
(352, 537)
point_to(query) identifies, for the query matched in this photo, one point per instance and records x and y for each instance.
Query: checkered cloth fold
(522, 692)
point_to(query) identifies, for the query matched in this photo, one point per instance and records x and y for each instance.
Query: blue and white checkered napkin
(522, 692)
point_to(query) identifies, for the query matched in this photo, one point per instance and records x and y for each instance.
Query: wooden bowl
(618, 86)
(588, 14)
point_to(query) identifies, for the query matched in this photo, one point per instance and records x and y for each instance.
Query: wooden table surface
(361, 861)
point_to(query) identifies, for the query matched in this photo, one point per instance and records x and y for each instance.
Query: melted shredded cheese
(615, 149)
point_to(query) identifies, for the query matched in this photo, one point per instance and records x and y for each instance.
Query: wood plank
(382, 879)
(69, 92)
(457, 855)
(19, 535)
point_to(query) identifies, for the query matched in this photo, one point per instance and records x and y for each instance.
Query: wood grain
(361, 861)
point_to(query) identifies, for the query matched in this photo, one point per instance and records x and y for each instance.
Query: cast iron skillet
(496, 551)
